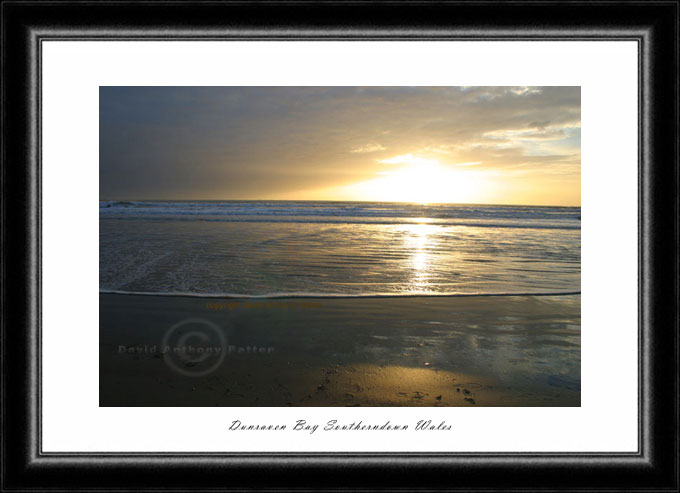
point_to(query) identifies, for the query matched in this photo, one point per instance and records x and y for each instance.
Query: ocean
(288, 248)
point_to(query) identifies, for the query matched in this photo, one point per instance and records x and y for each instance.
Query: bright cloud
(368, 148)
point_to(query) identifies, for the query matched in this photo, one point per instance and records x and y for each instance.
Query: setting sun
(417, 180)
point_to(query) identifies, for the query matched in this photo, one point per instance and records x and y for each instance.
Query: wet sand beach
(381, 351)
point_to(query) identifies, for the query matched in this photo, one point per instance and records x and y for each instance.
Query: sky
(489, 145)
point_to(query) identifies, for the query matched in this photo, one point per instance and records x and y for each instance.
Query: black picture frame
(654, 25)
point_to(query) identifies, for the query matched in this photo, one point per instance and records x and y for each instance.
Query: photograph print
(339, 246)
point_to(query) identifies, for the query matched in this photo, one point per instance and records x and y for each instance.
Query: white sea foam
(356, 210)
(329, 295)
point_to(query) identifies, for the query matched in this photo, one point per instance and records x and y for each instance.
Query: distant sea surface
(272, 248)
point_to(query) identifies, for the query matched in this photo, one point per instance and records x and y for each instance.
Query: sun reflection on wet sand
(396, 385)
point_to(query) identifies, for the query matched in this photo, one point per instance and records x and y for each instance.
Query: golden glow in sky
(490, 145)
(416, 179)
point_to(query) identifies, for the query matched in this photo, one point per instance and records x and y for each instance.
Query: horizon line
(334, 200)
